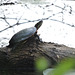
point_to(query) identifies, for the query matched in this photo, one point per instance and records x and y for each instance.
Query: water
(50, 31)
(37, 1)
(49, 72)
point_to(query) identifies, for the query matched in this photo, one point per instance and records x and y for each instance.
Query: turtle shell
(22, 35)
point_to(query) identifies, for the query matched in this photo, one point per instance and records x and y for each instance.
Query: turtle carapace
(24, 34)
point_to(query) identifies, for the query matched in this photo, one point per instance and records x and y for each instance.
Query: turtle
(24, 34)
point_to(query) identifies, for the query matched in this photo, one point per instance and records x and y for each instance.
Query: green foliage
(64, 67)
(41, 63)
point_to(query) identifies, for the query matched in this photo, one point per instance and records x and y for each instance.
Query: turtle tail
(37, 25)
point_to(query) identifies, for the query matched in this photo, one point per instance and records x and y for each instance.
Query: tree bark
(26, 52)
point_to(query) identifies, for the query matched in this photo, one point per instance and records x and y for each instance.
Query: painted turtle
(24, 34)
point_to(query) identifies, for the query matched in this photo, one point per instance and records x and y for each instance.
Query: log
(26, 52)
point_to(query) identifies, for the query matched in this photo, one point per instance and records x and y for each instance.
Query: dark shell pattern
(23, 35)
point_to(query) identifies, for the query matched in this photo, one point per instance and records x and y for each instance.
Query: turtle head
(37, 25)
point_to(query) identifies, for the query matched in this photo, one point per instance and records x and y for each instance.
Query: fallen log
(26, 52)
